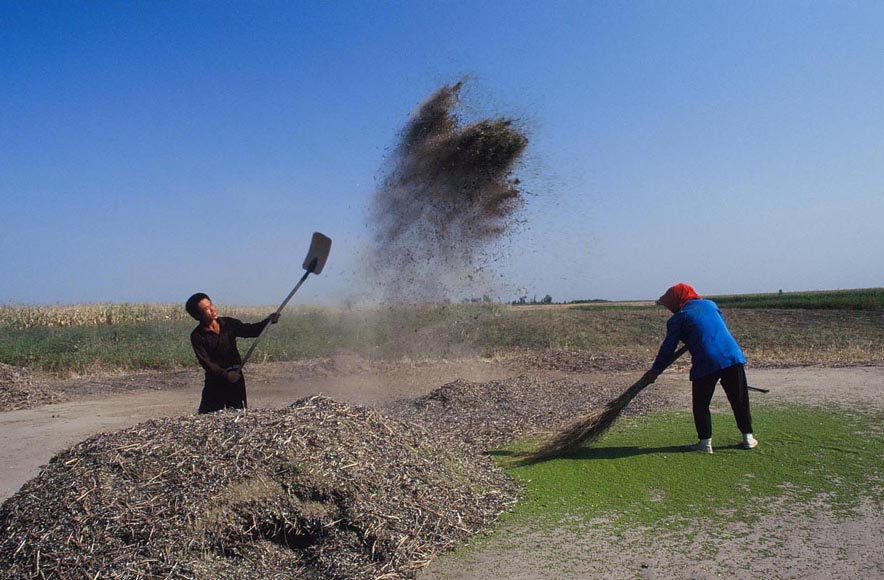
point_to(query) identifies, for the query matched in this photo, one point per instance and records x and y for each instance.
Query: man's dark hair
(192, 305)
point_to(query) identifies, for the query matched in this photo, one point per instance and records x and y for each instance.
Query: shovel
(313, 264)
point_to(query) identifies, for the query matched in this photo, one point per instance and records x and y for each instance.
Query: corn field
(52, 316)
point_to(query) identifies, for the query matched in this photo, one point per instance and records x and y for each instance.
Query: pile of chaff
(575, 360)
(18, 390)
(487, 415)
(318, 490)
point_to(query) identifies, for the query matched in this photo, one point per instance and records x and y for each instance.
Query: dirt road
(823, 546)
(32, 436)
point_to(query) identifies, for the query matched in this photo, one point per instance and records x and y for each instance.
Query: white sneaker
(749, 442)
(704, 445)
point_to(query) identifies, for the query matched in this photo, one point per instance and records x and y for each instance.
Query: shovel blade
(320, 246)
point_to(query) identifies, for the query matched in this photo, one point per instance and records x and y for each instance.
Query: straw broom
(590, 427)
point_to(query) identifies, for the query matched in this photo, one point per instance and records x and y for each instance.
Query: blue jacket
(701, 327)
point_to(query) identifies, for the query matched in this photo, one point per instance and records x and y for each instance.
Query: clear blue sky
(152, 149)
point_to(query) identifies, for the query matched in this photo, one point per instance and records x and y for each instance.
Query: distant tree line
(523, 300)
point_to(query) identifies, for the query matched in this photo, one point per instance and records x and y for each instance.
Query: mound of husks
(318, 490)
(18, 391)
(487, 415)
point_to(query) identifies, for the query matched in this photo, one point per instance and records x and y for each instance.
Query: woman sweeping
(715, 355)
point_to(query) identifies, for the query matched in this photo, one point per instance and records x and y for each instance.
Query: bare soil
(799, 542)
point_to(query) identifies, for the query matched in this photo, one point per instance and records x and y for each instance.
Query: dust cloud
(447, 197)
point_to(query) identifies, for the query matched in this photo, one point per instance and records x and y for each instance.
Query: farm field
(499, 213)
(814, 358)
(833, 328)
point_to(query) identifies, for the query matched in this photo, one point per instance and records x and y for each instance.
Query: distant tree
(546, 299)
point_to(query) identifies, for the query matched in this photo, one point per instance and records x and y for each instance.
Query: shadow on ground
(517, 458)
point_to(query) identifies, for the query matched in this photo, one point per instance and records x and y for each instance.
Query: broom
(590, 427)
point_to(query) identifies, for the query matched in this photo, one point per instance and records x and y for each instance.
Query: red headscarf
(678, 296)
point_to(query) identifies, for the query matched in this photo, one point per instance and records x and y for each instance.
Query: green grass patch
(638, 475)
(129, 346)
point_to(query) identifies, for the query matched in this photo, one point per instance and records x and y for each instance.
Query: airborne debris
(448, 194)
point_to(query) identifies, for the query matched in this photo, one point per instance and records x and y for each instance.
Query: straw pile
(487, 415)
(18, 391)
(576, 360)
(319, 490)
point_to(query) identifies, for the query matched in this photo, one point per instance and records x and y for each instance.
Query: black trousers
(219, 394)
(733, 380)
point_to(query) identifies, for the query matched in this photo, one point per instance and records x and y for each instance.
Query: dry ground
(810, 543)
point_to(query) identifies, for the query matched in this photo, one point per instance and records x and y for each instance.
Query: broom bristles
(587, 429)
(590, 427)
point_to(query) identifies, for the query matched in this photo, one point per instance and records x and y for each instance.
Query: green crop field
(861, 299)
(858, 299)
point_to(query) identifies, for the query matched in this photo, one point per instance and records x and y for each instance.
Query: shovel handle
(249, 352)
(292, 293)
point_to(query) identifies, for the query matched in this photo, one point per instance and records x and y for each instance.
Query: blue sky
(152, 149)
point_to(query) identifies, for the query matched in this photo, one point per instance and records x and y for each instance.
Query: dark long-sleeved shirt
(218, 352)
(700, 325)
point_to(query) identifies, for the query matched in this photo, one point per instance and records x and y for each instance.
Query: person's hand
(233, 376)
(274, 318)
(649, 377)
